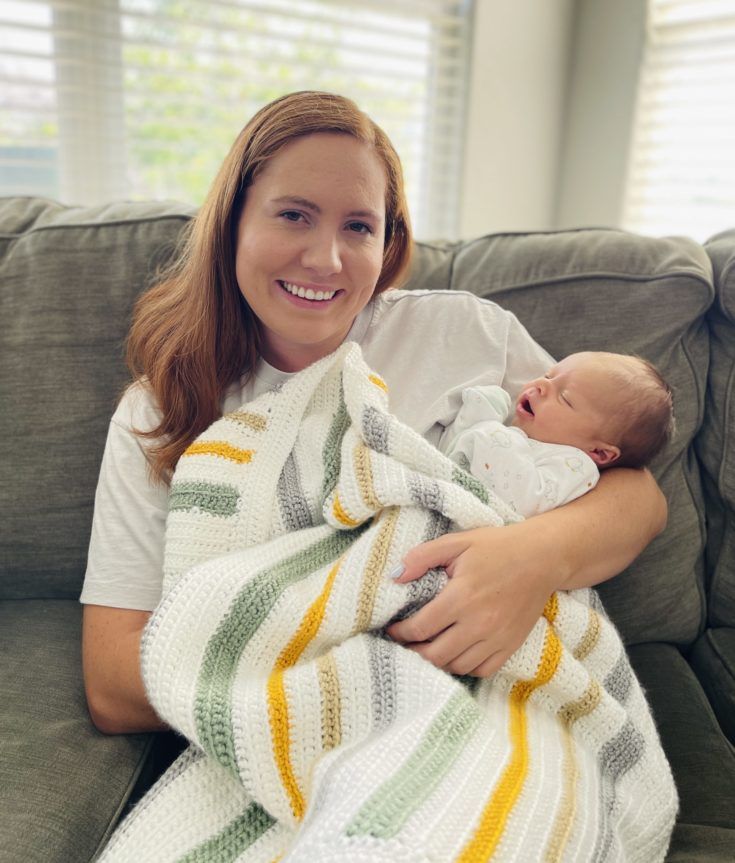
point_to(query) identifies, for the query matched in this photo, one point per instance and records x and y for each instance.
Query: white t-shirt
(427, 345)
(529, 475)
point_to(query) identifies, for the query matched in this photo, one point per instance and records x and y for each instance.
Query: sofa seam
(99, 224)
(716, 569)
(114, 819)
(724, 275)
(628, 277)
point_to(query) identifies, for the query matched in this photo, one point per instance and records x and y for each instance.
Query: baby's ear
(604, 455)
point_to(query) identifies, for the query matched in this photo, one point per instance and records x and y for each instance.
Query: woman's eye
(291, 215)
(359, 228)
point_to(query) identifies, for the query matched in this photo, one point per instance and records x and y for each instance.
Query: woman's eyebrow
(302, 202)
(315, 208)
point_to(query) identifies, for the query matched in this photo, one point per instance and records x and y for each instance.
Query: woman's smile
(311, 293)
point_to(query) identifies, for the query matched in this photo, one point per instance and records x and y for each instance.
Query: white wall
(608, 48)
(550, 112)
(515, 119)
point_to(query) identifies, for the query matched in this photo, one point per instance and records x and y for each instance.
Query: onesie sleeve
(479, 404)
(125, 560)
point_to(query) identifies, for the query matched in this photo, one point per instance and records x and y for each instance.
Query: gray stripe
(426, 492)
(620, 678)
(291, 499)
(437, 526)
(375, 429)
(383, 681)
(420, 591)
(617, 756)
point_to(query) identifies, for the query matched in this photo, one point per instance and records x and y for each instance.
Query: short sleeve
(125, 561)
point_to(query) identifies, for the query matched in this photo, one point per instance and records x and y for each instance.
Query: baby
(590, 411)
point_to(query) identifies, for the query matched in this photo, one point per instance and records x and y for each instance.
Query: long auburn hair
(193, 334)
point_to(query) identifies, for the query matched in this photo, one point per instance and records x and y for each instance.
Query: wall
(515, 114)
(550, 112)
(608, 48)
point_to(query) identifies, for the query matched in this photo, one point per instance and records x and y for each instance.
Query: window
(138, 99)
(681, 175)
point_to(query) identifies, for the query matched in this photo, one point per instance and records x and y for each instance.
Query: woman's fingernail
(397, 571)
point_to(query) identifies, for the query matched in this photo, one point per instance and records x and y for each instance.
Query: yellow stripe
(251, 420)
(590, 637)
(364, 473)
(221, 449)
(326, 669)
(551, 609)
(378, 381)
(341, 515)
(277, 701)
(374, 567)
(569, 713)
(497, 810)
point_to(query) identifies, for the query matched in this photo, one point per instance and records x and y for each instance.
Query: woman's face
(310, 245)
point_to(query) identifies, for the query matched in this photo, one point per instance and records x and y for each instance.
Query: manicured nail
(397, 571)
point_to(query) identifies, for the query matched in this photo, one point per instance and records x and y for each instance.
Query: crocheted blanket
(313, 736)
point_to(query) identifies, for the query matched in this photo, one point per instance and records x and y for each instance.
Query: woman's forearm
(116, 696)
(605, 529)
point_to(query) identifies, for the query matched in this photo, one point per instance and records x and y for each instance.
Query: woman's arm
(501, 578)
(116, 696)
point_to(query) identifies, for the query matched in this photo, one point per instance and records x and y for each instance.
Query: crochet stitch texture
(315, 738)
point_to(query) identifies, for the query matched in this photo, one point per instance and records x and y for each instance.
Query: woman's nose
(322, 254)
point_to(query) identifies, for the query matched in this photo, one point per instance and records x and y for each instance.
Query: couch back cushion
(69, 278)
(715, 442)
(609, 290)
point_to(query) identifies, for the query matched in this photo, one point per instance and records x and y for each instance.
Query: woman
(303, 231)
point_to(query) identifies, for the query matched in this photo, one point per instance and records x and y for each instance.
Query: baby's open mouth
(526, 405)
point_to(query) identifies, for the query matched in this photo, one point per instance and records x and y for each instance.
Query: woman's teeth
(307, 293)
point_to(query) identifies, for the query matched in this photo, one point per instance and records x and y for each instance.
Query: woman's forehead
(323, 166)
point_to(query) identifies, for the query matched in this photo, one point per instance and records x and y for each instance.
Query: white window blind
(138, 99)
(681, 175)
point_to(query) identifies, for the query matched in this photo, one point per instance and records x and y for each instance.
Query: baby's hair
(646, 417)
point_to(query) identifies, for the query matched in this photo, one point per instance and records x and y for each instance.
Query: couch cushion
(69, 278)
(713, 660)
(63, 784)
(605, 289)
(702, 760)
(716, 441)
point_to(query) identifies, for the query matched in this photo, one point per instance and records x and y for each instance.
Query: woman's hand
(501, 577)
(498, 586)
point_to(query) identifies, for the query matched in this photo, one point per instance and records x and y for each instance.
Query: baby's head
(616, 408)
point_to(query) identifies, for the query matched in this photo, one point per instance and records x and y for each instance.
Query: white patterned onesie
(529, 475)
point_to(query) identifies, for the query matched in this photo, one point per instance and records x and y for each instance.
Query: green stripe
(213, 498)
(236, 837)
(332, 452)
(251, 607)
(399, 797)
(474, 486)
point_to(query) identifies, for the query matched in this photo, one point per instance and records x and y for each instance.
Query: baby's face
(573, 403)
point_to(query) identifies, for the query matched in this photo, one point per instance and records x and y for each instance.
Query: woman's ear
(604, 455)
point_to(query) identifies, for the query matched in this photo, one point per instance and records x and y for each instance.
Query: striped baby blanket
(313, 738)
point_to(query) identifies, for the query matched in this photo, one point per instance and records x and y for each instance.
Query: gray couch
(68, 281)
